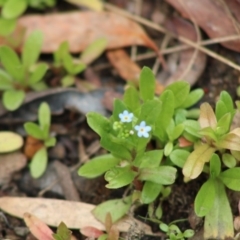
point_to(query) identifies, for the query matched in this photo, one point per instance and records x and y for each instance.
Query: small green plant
(174, 233)
(42, 132)
(69, 67)
(21, 75)
(196, 140)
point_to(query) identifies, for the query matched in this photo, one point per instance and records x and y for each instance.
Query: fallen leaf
(74, 214)
(181, 60)
(126, 68)
(10, 163)
(211, 17)
(82, 28)
(32, 145)
(37, 227)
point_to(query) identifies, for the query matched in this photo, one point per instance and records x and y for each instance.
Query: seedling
(174, 233)
(20, 76)
(69, 66)
(42, 132)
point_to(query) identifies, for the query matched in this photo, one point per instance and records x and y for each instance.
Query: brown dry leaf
(185, 29)
(37, 227)
(32, 145)
(125, 67)
(212, 17)
(10, 163)
(82, 28)
(52, 211)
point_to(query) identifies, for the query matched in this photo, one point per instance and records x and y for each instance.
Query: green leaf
(11, 63)
(149, 159)
(97, 166)
(44, 115)
(119, 177)
(147, 84)
(78, 68)
(208, 133)
(175, 132)
(221, 109)
(94, 50)
(7, 26)
(223, 124)
(117, 208)
(218, 222)
(192, 98)
(10, 141)
(12, 99)
(180, 90)
(150, 192)
(38, 73)
(59, 54)
(227, 99)
(161, 175)
(38, 163)
(32, 49)
(14, 8)
(50, 142)
(229, 160)
(196, 160)
(98, 123)
(188, 233)
(117, 148)
(34, 130)
(118, 107)
(131, 98)
(68, 81)
(63, 233)
(166, 114)
(5, 81)
(205, 198)
(231, 178)
(179, 157)
(192, 127)
(150, 111)
(215, 165)
(68, 63)
(168, 149)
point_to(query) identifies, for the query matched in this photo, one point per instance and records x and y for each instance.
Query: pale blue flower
(126, 116)
(143, 130)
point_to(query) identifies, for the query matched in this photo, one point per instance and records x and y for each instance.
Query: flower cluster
(142, 129)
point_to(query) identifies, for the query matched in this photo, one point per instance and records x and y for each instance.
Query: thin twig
(163, 30)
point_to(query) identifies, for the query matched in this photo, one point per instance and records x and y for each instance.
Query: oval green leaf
(14, 8)
(97, 166)
(38, 163)
(150, 192)
(12, 99)
(10, 141)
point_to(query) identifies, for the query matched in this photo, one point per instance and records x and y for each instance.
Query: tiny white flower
(126, 116)
(143, 129)
(131, 132)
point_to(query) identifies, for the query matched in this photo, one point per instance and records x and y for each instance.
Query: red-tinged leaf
(196, 160)
(207, 117)
(230, 141)
(38, 228)
(82, 28)
(183, 142)
(91, 232)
